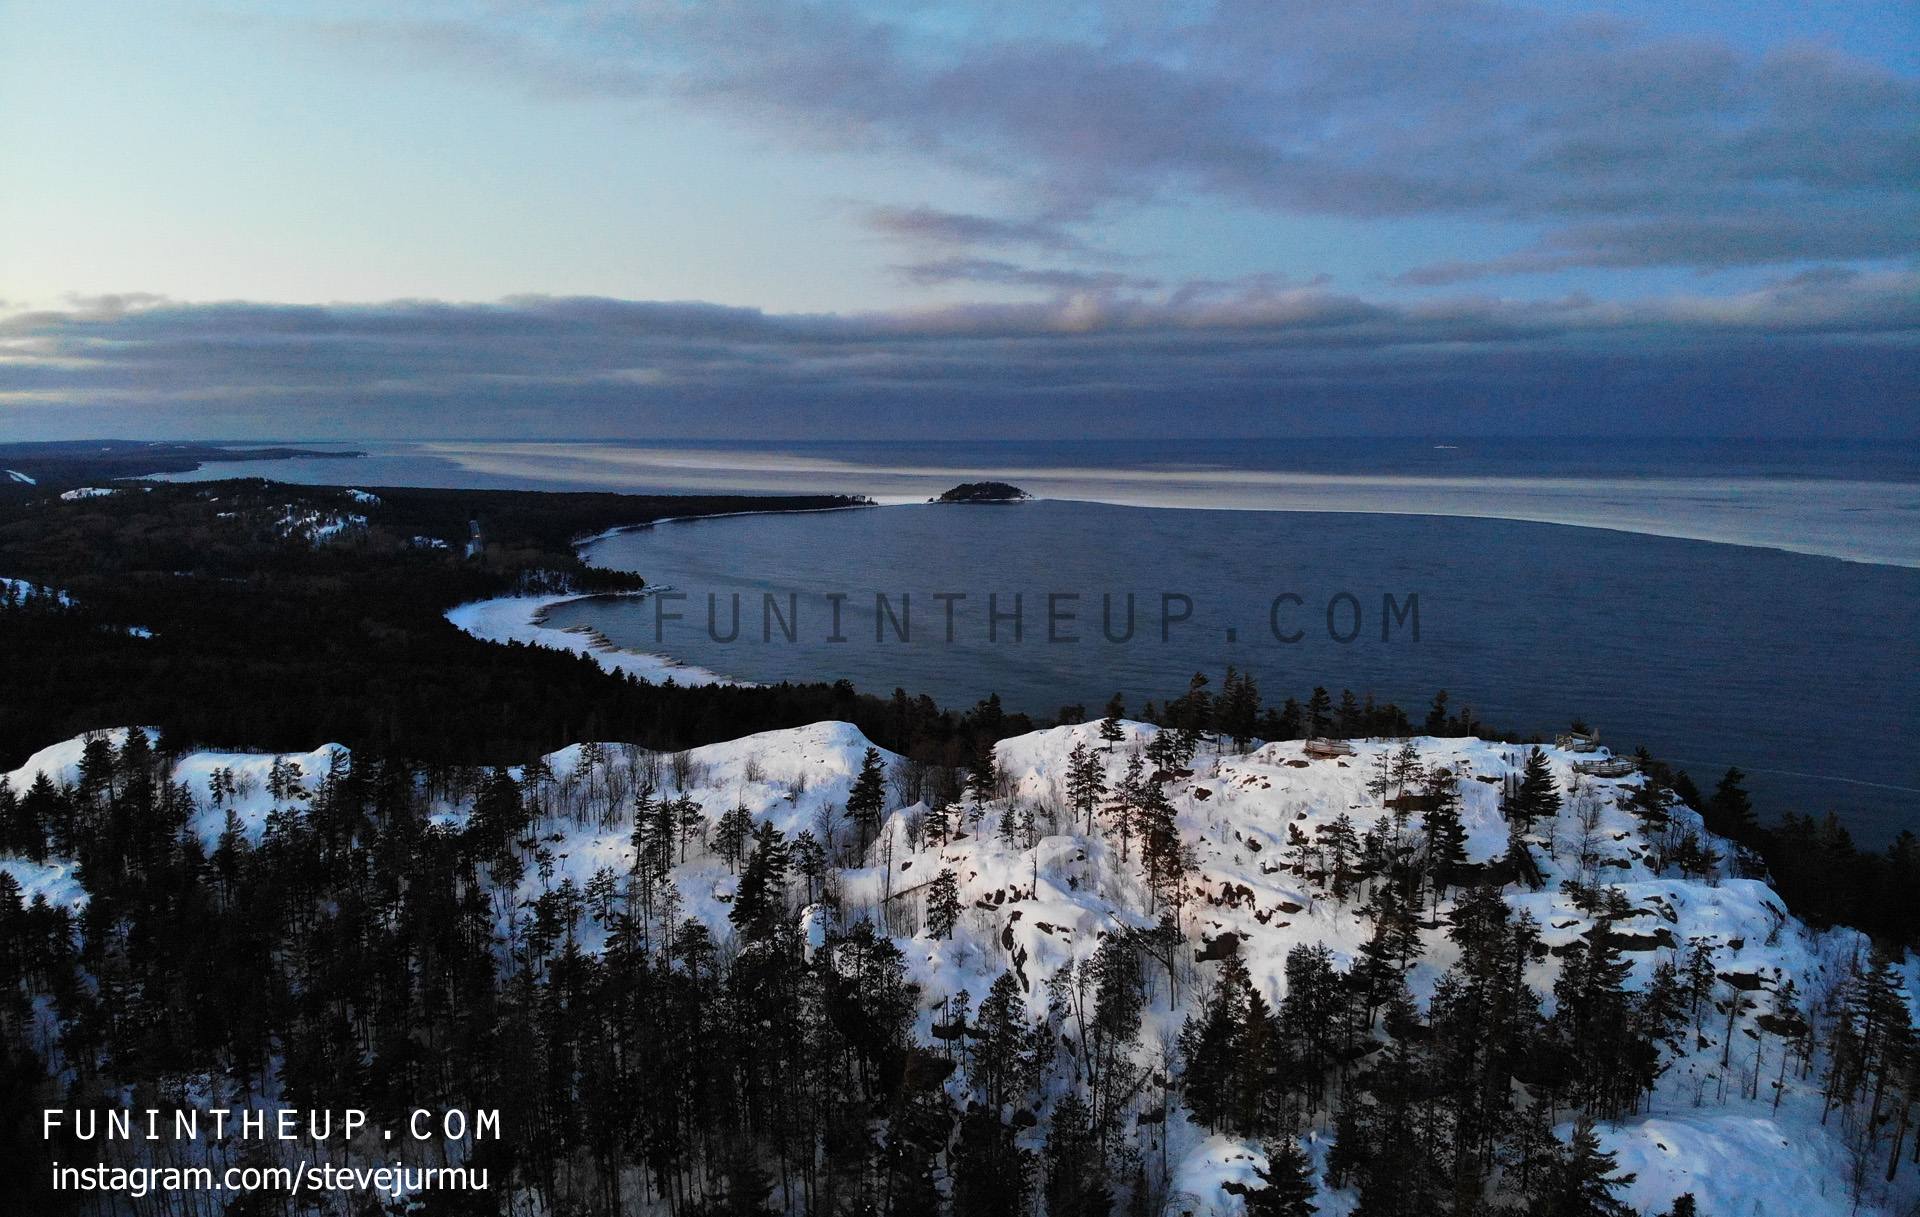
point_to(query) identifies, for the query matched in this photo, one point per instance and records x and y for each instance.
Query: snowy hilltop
(1127, 971)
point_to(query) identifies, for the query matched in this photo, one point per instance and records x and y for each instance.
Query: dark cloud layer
(1620, 149)
(1831, 352)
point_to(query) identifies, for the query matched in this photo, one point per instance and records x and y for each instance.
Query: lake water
(1721, 601)
(1799, 669)
(1854, 500)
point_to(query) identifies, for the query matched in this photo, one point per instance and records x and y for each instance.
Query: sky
(818, 219)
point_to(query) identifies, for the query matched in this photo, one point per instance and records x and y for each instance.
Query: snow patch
(55, 880)
(1735, 1164)
(17, 590)
(318, 527)
(251, 797)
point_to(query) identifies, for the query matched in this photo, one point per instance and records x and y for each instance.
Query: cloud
(1622, 148)
(995, 271)
(927, 225)
(1708, 242)
(1830, 351)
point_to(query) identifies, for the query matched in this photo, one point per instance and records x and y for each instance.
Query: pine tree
(1537, 797)
(1124, 809)
(601, 890)
(1446, 838)
(1003, 1062)
(1729, 813)
(746, 1186)
(1111, 732)
(1115, 975)
(1206, 1042)
(943, 904)
(1312, 1015)
(134, 764)
(1390, 1148)
(96, 770)
(759, 905)
(1604, 1041)
(1009, 827)
(1232, 1053)
(1405, 768)
(1289, 723)
(1160, 845)
(730, 836)
(1348, 722)
(868, 798)
(1086, 782)
(1165, 751)
(1191, 715)
(1239, 708)
(1436, 723)
(1580, 1180)
(19, 833)
(1076, 1184)
(498, 816)
(692, 822)
(992, 1176)
(984, 780)
(1687, 792)
(810, 858)
(1288, 1177)
(1319, 721)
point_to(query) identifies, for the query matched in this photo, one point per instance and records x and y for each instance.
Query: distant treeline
(64, 464)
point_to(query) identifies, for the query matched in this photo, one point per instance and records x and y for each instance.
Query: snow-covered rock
(1035, 903)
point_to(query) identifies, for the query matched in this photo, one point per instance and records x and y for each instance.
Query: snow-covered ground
(248, 793)
(1035, 908)
(54, 879)
(523, 619)
(21, 589)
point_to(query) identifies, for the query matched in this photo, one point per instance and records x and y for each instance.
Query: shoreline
(623, 529)
(523, 619)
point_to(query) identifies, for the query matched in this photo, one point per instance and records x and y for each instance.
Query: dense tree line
(1813, 863)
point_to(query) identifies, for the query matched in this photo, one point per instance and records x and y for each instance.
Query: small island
(983, 492)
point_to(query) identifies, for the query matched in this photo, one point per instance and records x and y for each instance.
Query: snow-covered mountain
(1731, 1119)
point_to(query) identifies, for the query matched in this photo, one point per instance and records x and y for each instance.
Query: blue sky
(1236, 215)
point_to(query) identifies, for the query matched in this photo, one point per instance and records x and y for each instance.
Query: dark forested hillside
(254, 614)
